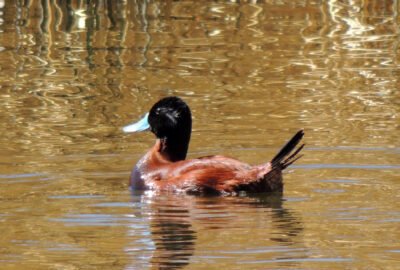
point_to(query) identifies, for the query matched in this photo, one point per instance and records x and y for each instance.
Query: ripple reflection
(180, 225)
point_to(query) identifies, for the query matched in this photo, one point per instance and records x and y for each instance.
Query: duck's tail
(285, 157)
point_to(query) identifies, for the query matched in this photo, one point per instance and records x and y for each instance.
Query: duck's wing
(216, 175)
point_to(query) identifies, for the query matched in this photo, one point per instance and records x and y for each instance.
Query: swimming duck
(165, 168)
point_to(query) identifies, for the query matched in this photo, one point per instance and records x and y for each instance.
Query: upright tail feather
(281, 160)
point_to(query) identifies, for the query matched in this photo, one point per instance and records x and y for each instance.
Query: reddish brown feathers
(214, 174)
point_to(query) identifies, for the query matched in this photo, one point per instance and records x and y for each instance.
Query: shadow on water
(178, 222)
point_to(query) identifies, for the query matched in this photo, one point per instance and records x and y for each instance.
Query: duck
(164, 168)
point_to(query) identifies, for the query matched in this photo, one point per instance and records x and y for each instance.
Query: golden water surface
(72, 73)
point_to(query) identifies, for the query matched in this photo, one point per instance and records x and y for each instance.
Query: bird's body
(164, 167)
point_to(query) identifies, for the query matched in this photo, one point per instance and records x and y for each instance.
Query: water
(253, 73)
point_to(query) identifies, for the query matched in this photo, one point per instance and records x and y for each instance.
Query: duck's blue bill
(141, 125)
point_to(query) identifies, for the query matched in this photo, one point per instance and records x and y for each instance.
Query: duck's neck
(174, 149)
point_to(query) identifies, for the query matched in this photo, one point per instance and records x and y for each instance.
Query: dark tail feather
(280, 160)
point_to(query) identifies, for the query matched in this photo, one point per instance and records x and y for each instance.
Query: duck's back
(214, 175)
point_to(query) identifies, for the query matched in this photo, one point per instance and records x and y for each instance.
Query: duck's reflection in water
(172, 234)
(179, 225)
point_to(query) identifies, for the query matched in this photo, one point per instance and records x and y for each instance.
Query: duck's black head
(170, 120)
(170, 117)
